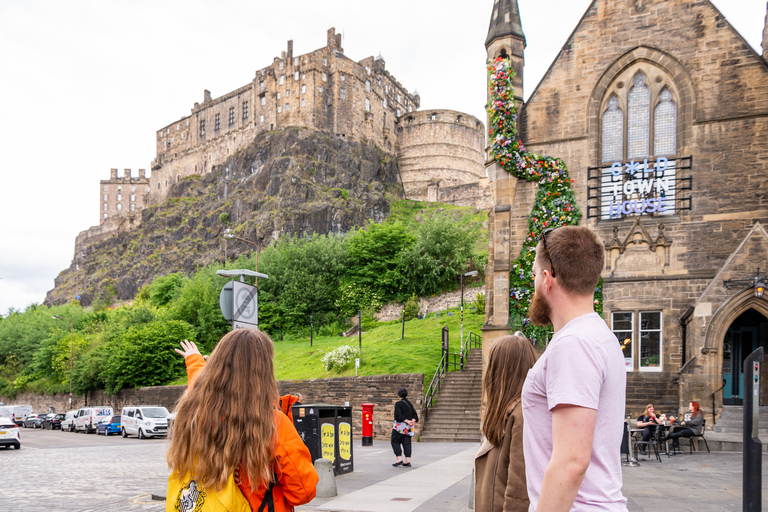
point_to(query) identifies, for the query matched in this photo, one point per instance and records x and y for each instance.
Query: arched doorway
(745, 334)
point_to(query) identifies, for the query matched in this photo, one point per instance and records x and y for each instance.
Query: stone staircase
(455, 415)
(728, 433)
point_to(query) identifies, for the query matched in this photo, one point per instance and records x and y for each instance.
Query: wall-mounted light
(757, 282)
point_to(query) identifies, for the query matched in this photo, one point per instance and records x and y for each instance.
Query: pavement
(441, 477)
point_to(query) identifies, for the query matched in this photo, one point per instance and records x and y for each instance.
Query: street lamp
(757, 282)
(71, 350)
(468, 274)
(229, 234)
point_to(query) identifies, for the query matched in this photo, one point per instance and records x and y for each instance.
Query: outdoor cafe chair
(692, 444)
(652, 443)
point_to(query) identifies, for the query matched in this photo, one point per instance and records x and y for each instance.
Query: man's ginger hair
(577, 256)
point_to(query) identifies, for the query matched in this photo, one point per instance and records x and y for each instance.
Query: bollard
(326, 485)
(367, 424)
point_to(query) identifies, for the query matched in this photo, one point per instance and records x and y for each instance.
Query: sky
(85, 85)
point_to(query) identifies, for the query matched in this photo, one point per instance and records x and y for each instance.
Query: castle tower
(505, 39)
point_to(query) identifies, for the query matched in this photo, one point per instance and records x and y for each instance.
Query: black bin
(327, 432)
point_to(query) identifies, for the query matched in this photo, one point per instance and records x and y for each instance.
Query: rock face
(289, 182)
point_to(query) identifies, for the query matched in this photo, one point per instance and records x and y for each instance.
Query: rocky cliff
(292, 181)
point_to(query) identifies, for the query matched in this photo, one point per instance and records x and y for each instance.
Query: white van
(144, 421)
(68, 423)
(16, 413)
(87, 418)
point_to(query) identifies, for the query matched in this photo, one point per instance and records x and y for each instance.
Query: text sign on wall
(642, 187)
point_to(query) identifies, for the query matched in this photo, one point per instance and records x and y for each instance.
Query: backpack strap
(268, 500)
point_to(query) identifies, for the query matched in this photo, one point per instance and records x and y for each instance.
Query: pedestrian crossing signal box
(327, 432)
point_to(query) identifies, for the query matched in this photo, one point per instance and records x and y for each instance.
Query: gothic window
(613, 131)
(665, 125)
(639, 106)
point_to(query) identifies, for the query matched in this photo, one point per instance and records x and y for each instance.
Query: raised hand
(188, 348)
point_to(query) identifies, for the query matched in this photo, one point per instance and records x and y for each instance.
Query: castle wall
(440, 150)
(122, 196)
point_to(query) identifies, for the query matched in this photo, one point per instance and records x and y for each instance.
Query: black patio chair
(652, 443)
(692, 444)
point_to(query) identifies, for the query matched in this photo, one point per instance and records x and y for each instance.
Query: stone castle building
(123, 196)
(441, 152)
(670, 88)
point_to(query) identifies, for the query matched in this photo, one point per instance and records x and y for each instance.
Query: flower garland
(555, 203)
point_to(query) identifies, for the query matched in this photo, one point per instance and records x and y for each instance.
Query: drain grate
(400, 499)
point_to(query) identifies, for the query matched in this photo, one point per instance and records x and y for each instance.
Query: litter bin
(327, 432)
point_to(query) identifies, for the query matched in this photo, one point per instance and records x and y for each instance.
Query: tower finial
(505, 21)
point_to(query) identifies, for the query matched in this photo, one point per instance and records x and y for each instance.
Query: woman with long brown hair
(499, 464)
(228, 425)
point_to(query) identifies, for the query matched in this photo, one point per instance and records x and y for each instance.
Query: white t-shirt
(584, 366)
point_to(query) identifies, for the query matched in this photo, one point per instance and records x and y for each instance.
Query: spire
(505, 21)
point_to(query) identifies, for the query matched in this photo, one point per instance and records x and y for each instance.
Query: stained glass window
(639, 110)
(613, 131)
(665, 125)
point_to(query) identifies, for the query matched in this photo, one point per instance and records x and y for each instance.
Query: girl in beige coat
(499, 464)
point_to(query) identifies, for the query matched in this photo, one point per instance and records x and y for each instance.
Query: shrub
(412, 307)
(340, 357)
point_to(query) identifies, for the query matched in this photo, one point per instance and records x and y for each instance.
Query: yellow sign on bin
(327, 433)
(345, 440)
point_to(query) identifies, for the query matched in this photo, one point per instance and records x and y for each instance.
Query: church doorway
(746, 333)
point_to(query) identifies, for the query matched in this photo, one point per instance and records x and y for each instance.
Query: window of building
(433, 117)
(245, 110)
(279, 108)
(119, 207)
(296, 76)
(325, 77)
(367, 70)
(133, 197)
(105, 215)
(261, 85)
(231, 116)
(104, 188)
(295, 61)
(281, 65)
(623, 328)
(119, 197)
(410, 108)
(287, 93)
(217, 122)
(343, 93)
(613, 131)
(133, 188)
(342, 78)
(367, 105)
(386, 88)
(398, 112)
(303, 76)
(638, 124)
(263, 100)
(261, 118)
(303, 102)
(105, 206)
(119, 188)
(187, 123)
(398, 98)
(325, 61)
(384, 103)
(278, 94)
(650, 341)
(665, 125)
(320, 88)
(147, 188)
(287, 107)
(133, 207)
(367, 86)
(105, 197)
(202, 127)
(303, 88)
(281, 81)
(167, 131)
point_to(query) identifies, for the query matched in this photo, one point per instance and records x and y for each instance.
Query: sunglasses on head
(546, 251)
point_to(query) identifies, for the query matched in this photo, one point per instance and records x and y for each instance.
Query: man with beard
(574, 397)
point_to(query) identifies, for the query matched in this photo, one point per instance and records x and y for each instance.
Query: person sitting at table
(647, 421)
(692, 427)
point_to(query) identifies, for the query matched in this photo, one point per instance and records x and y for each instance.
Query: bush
(412, 307)
(331, 329)
(480, 303)
(340, 357)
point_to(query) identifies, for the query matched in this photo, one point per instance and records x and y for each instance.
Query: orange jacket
(296, 476)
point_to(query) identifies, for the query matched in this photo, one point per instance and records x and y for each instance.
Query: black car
(52, 421)
(33, 420)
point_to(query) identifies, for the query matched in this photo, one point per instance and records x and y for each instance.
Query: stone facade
(380, 390)
(677, 81)
(124, 196)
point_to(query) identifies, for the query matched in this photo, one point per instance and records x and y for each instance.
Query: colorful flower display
(555, 203)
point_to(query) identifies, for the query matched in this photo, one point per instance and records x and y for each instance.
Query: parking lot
(57, 470)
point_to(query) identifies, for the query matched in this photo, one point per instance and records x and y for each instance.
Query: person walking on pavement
(499, 464)
(574, 396)
(228, 423)
(402, 429)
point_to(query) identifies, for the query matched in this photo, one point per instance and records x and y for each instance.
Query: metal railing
(448, 360)
(714, 421)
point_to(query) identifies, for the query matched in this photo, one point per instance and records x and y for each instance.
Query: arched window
(613, 131)
(638, 129)
(665, 125)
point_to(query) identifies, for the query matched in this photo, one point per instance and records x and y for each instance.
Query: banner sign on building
(624, 189)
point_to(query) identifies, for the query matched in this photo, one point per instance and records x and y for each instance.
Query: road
(64, 471)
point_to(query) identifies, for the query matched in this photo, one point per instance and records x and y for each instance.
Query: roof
(505, 21)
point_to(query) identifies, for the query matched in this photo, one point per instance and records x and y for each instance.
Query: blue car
(109, 425)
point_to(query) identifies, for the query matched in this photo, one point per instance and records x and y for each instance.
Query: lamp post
(71, 350)
(757, 282)
(468, 274)
(228, 234)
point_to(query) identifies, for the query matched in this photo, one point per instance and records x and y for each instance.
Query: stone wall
(122, 196)
(394, 310)
(380, 390)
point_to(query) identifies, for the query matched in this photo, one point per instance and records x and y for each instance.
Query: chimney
(290, 49)
(765, 36)
(206, 96)
(126, 174)
(142, 173)
(113, 174)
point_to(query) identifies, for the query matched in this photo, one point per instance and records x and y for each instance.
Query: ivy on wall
(555, 203)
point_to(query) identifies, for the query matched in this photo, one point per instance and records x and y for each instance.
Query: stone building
(660, 110)
(122, 196)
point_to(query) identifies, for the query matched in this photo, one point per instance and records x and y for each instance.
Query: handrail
(448, 359)
(473, 341)
(714, 422)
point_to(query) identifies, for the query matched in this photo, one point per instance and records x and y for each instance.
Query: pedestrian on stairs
(402, 429)
(499, 464)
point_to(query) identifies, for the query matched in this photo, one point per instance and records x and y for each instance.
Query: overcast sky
(84, 85)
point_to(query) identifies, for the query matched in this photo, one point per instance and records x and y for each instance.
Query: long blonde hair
(509, 360)
(648, 407)
(226, 419)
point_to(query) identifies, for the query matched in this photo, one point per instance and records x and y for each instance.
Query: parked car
(17, 413)
(68, 423)
(9, 434)
(144, 421)
(110, 425)
(33, 420)
(52, 421)
(87, 418)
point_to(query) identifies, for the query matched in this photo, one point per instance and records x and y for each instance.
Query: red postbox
(367, 424)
